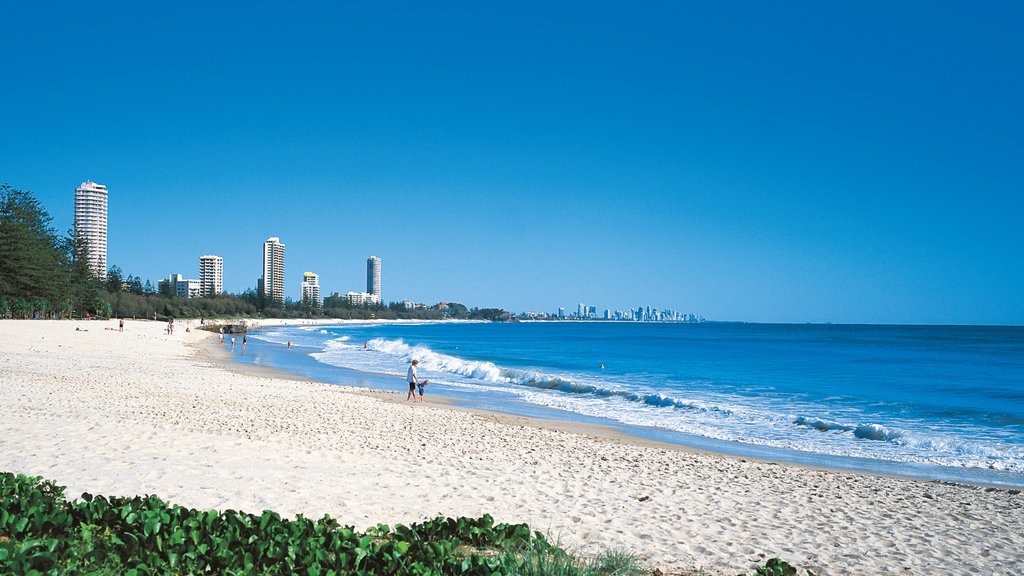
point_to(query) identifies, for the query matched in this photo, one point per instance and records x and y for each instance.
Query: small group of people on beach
(415, 384)
(245, 339)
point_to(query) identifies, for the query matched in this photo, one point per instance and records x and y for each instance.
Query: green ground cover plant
(43, 533)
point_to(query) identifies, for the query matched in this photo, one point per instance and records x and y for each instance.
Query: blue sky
(802, 162)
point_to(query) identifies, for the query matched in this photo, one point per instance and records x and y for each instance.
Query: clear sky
(758, 161)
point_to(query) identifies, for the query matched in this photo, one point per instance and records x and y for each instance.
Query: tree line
(45, 274)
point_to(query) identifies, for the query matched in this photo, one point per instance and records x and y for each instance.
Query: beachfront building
(178, 285)
(361, 298)
(211, 275)
(273, 269)
(187, 288)
(91, 224)
(311, 289)
(373, 276)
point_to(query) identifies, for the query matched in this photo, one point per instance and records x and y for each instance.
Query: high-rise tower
(211, 275)
(91, 224)
(311, 289)
(273, 269)
(373, 276)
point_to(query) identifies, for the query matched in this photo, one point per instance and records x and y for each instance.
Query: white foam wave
(437, 362)
(931, 446)
(755, 420)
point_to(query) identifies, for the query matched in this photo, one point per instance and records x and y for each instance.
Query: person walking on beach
(120, 325)
(420, 387)
(413, 381)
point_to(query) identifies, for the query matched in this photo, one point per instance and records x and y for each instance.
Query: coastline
(141, 412)
(265, 352)
(599, 432)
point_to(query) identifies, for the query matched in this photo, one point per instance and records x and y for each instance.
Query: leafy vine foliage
(43, 533)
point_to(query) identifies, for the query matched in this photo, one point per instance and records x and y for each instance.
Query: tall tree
(85, 287)
(31, 263)
(115, 279)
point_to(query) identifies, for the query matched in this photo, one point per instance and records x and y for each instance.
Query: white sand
(142, 412)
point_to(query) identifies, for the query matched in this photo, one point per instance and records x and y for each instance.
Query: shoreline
(604, 433)
(141, 412)
(649, 436)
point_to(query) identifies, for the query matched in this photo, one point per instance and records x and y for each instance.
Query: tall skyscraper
(273, 269)
(211, 275)
(373, 276)
(91, 224)
(311, 288)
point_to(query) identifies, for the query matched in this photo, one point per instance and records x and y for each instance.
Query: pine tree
(31, 263)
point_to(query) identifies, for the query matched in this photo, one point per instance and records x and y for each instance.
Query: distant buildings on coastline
(641, 314)
(91, 224)
(369, 298)
(178, 285)
(354, 299)
(90, 227)
(210, 282)
(271, 282)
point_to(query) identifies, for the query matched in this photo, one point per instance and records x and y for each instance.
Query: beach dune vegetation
(43, 533)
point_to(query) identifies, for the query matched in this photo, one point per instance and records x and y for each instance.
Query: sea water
(940, 402)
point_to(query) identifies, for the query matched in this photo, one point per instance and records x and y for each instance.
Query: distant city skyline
(646, 313)
(808, 162)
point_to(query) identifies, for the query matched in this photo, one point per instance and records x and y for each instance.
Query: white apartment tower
(273, 269)
(373, 276)
(211, 275)
(311, 288)
(91, 224)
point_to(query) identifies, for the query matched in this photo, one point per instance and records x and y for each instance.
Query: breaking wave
(977, 452)
(485, 371)
(753, 419)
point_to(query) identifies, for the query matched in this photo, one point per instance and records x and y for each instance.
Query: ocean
(936, 402)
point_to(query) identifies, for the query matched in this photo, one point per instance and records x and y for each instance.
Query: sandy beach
(142, 412)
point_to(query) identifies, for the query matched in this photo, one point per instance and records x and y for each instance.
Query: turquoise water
(928, 401)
